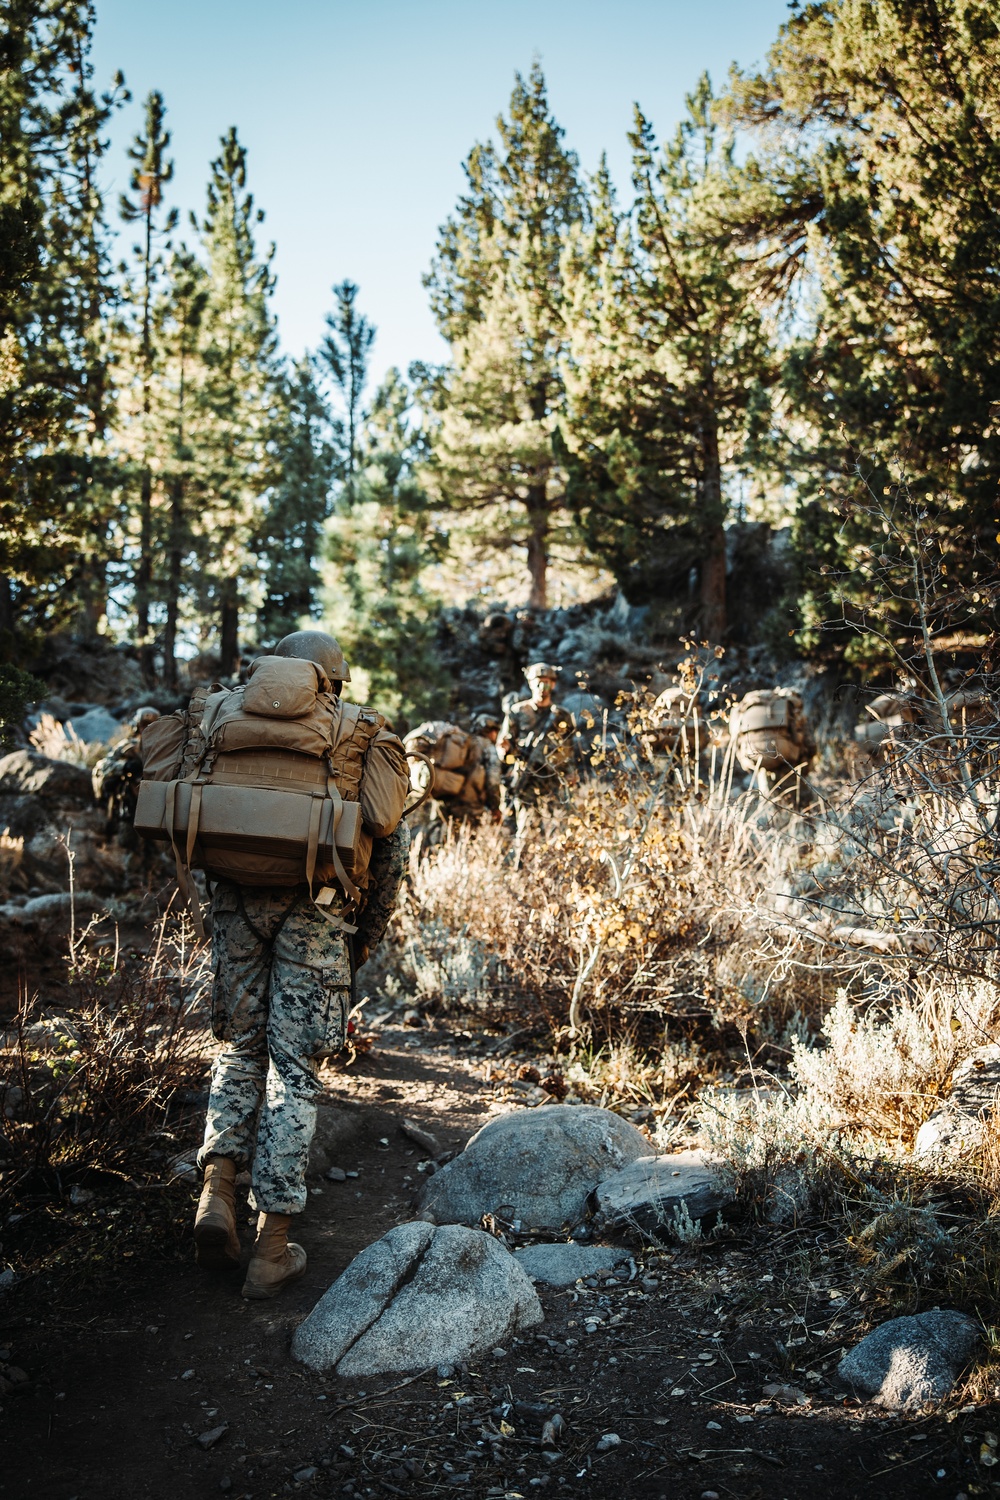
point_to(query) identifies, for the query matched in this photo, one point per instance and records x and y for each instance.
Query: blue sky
(357, 117)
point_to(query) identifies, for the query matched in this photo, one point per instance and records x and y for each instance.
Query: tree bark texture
(229, 626)
(712, 569)
(538, 556)
(174, 561)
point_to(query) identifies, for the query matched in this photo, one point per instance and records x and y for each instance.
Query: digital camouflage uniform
(537, 747)
(115, 781)
(280, 1003)
(493, 767)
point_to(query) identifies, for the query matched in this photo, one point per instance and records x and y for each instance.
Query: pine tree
(668, 366)
(150, 174)
(237, 348)
(58, 488)
(497, 294)
(24, 425)
(346, 352)
(381, 541)
(870, 206)
(178, 380)
(307, 453)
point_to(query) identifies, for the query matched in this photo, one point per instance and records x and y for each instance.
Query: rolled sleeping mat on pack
(254, 835)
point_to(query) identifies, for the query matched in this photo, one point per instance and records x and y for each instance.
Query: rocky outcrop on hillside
(48, 807)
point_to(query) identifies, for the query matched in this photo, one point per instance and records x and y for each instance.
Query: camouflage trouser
(280, 1001)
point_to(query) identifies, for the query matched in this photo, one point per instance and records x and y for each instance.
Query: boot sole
(212, 1249)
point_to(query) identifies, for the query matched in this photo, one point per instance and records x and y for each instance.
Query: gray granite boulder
(420, 1296)
(957, 1126)
(25, 772)
(42, 804)
(535, 1165)
(96, 726)
(910, 1361)
(562, 1264)
(664, 1197)
(53, 913)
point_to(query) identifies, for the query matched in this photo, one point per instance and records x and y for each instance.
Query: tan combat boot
(276, 1260)
(216, 1243)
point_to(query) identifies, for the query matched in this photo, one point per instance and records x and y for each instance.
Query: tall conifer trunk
(144, 570)
(149, 175)
(712, 571)
(229, 626)
(538, 557)
(174, 561)
(7, 621)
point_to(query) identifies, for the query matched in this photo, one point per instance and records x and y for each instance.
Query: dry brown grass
(59, 741)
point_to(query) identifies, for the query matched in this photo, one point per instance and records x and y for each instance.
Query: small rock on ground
(425, 1139)
(910, 1361)
(337, 1128)
(562, 1264)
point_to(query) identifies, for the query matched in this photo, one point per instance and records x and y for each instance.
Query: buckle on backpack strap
(324, 899)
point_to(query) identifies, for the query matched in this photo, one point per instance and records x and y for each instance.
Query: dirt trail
(673, 1363)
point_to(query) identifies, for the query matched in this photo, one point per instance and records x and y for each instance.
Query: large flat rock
(535, 1165)
(420, 1296)
(562, 1264)
(664, 1197)
(910, 1361)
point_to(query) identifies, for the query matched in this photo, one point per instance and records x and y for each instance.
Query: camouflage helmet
(317, 646)
(542, 669)
(484, 722)
(143, 716)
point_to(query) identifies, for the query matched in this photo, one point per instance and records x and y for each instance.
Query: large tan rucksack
(275, 783)
(450, 751)
(770, 731)
(891, 722)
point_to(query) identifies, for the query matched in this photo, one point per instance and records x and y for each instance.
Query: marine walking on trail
(116, 776)
(535, 744)
(291, 800)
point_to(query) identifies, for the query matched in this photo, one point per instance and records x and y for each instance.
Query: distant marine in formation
(535, 744)
(116, 776)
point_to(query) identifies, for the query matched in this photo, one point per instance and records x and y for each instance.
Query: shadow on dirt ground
(161, 1382)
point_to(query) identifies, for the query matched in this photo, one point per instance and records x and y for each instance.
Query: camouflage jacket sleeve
(386, 870)
(494, 776)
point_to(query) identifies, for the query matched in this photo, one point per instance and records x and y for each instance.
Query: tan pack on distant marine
(275, 783)
(457, 771)
(771, 732)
